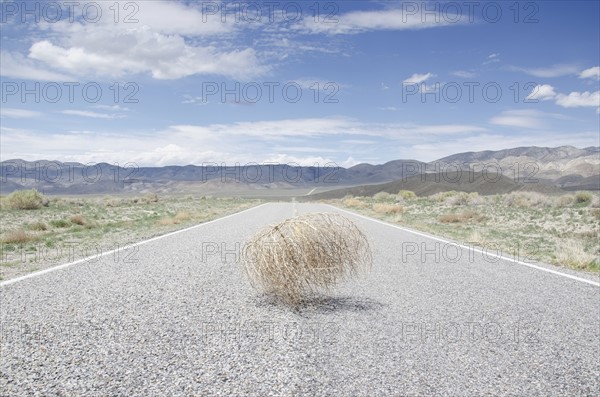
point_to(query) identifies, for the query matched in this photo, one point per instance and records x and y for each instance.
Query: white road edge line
(95, 257)
(583, 280)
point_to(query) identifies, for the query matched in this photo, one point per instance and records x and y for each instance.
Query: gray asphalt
(166, 320)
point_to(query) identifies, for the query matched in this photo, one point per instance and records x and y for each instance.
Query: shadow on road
(324, 304)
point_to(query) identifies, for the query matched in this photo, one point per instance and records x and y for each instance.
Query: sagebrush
(26, 200)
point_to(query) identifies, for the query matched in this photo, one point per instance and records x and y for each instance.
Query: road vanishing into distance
(175, 316)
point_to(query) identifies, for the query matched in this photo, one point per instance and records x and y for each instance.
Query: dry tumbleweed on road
(306, 254)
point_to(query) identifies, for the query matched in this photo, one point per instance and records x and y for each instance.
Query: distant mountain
(431, 183)
(566, 167)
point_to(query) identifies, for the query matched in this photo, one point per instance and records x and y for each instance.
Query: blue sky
(378, 80)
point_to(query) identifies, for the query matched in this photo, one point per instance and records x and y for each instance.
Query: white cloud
(575, 99)
(359, 142)
(317, 127)
(492, 58)
(464, 74)
(552, 71)
(114, 108)
(17, 66)
(242, 142)
(543, 92)
(180, 145)
(529, 119)
(418, 78)
(579, 99)
(95, 115)
(154, 45)
(189, 19)
(18, 113)
(591, 73)
(164, 57)
(391, 19)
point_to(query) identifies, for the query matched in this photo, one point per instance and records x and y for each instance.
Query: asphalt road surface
(175, 316)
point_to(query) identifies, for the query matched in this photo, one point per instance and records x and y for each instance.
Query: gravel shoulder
(176, 317)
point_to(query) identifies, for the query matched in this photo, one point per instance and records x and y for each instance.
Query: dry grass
(38, 226)
(528, 200)
(180, 217)
(150, 198)
(583, 198)
(407, 194)
(354, 203)
(516, 222)
(78, 220)
(450, 218)
(459, 217)
(462, 199)
(53, 229)
(564, 201)
(476, 238)
(381, 208)
(573, 254)
(60, 223)
(166, 221)
(304, 255)
(383, 196)
(18, 236)
(441, 197)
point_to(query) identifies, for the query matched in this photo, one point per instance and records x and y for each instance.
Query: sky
(181, 82)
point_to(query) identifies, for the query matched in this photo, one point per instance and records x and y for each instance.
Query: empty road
(175, 316)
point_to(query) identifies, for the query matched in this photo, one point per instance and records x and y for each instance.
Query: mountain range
(532, 168)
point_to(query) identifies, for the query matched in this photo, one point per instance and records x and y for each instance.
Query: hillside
(565, 167)
(427, 184)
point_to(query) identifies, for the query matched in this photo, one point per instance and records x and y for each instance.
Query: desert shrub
(182, 217)
(18, 236)
(572, 253)
(38, 226)
(111, 202)
(353, 202)
(78, 220)
(382, 208)
(450, 218)
(26, 200)
(459, 217)
(462, 198)
(305, 254)
(584, 198)
(382, 196)
(60, 223)
(407, 195)
(595, 212)
(514, 200)
(564, 201)
(150, 198)
(476, 238)
(442, 196)
(174, 220)
(527, 200)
